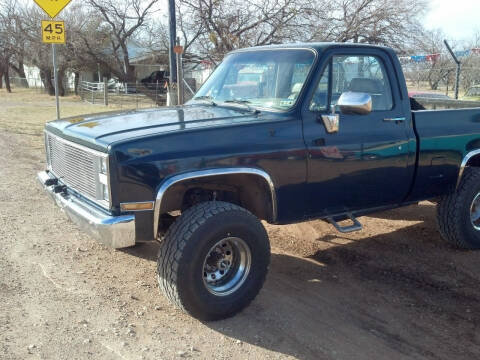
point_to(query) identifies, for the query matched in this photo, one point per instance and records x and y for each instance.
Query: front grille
(76, 166)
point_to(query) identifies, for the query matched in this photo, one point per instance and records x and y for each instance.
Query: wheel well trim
(464, 163)
(199, 174)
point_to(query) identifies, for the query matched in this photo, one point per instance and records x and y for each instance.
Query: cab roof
(318, 46)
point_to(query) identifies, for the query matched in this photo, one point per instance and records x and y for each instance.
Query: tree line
(100, 33)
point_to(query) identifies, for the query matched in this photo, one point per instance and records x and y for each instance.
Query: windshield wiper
(205, 98)
(243, 102)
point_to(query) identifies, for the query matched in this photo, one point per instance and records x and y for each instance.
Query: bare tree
(438, 69)
(214, 27)
(470, 74)
(386, 22)
(105, 34)
(36, 53)
(121, 20)
(7, 43)
(92, 40)
(84, 45)
(4, 67)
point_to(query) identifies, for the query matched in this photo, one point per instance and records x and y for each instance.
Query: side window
(362, 74)
(320, 97)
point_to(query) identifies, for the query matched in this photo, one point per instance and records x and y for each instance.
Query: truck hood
(98, 131)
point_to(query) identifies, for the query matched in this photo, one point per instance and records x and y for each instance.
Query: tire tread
(449, 211)
(175, 240)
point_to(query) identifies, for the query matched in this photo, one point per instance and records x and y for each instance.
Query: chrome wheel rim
(475, 212)
(226, 266)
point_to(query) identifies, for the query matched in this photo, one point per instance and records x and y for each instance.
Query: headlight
(103, 165)
(103, 190)
(47, 150)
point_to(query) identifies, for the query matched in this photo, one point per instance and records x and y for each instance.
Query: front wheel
(458, 214)
(213, 260)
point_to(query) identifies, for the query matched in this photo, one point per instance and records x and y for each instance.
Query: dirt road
(392, 291)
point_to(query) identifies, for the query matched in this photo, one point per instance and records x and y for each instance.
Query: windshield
(263, 78)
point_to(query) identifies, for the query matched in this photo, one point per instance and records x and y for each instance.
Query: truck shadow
(405, 294)
(147, 251)
(422, 211)
(402, 294)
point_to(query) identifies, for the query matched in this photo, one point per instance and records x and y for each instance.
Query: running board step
(356, 226)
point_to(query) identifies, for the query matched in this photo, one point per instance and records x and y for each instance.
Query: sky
(459, 19)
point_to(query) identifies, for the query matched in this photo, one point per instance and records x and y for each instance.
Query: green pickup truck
(278, 133)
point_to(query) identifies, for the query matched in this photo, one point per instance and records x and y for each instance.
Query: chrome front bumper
(114, 231)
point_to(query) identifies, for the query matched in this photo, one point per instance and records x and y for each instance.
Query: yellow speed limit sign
(52, 7)
(53, 32)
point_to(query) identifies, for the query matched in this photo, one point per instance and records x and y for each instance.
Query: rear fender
(471, 159)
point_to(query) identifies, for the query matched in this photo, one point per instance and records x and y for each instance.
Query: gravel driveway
(391, 291)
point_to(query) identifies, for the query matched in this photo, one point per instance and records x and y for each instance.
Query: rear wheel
(213, 260)
(458, 214)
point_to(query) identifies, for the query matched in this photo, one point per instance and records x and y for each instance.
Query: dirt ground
(392, 291)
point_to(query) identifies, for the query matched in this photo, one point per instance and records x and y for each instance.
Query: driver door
(366, 163)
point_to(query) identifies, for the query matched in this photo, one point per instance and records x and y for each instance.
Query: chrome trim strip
(113, 231)
(138, 202)
(279, 48)
(395, 119)
(464, 164)
(207, 173)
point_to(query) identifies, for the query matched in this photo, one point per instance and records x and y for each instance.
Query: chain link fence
(131, 95)
(121, 95)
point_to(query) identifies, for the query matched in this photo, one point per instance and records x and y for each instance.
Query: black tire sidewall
(191, 288)
(468, 232)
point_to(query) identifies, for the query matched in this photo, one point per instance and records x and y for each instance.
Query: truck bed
(444, 137)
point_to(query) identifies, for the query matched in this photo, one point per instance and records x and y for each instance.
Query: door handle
(395, 119)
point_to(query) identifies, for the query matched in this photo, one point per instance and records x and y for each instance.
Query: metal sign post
(55, 79)
(53, 32)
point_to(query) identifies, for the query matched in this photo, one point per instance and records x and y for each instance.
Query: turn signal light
(141, 206)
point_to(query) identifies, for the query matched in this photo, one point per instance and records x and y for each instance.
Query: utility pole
(172, 25)
(459, 64)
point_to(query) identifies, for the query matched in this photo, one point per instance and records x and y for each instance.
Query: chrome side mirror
(355, 103)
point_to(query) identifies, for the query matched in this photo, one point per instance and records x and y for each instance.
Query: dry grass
(424, 87)
(26, 111)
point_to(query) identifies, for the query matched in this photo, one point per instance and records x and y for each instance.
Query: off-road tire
(453, 212)
(187, 244)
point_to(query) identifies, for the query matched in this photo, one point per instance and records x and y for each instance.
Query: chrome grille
(75, 166)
